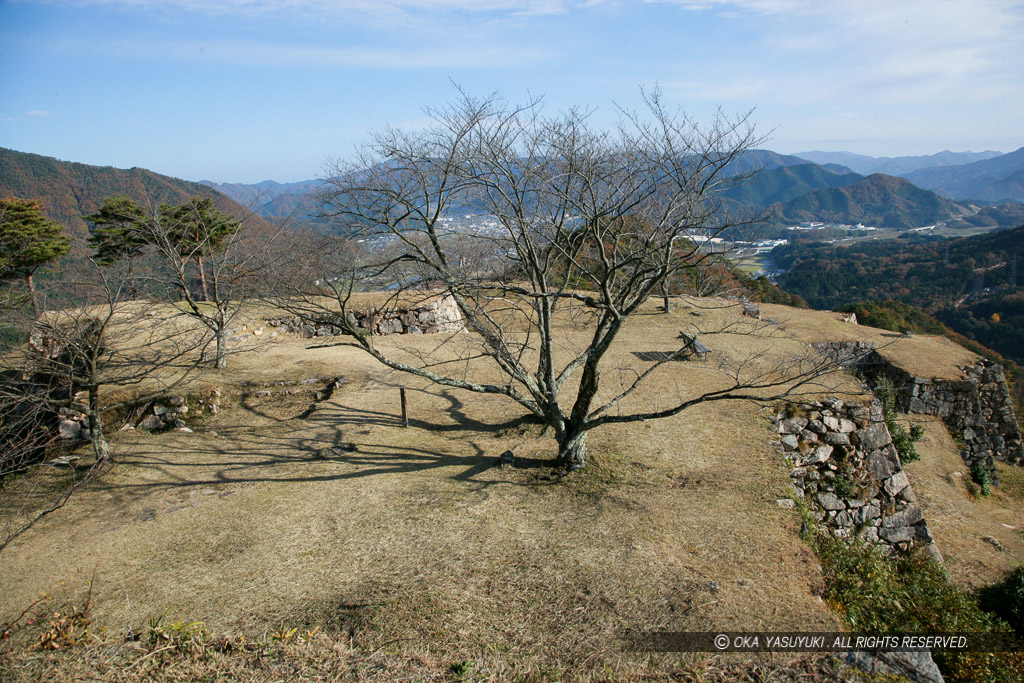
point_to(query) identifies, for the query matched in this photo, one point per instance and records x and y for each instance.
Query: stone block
(816, 426)
(69, 430)
(820, 454)
(879, 465)
(905, 517)
(896, 483)
(898, 534)
(837, 439)
(792, 425)
(873, 437)
(151, 423)
(830, 501)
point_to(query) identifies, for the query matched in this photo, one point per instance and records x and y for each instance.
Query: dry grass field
(411, 552)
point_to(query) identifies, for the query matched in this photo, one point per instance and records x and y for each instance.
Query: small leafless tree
(188, 243)
(80, 366)
(574, 224)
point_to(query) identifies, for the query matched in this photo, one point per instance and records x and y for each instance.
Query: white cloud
(393, 57)
(386, 8)
(877, 50)
(37, 112)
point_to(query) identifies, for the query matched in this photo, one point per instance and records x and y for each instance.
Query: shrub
(982, 476)
(902, 440)
(1006, 599)
(874, 592)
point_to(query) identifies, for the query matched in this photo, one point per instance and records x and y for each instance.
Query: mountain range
(69, 190)
(997, 179)
(900, 166)
(976, 176)
(827, 188)
(787, 188)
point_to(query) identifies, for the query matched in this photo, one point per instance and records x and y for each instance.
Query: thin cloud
(31, 113)
(874, 50)
(263, 54)
(336, 7)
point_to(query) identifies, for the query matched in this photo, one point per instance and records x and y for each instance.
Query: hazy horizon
(251, 90)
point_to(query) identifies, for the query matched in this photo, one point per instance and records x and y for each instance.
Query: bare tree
(192, 241)
(80, 366)
(574, 224)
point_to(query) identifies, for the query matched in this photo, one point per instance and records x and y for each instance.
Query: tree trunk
(32, 294)
(572, 451)
(100, 447)
(202, 280)
(222, 348)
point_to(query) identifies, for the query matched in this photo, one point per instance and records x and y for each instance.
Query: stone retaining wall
(439, 316)
(850, 475)
(977, 408)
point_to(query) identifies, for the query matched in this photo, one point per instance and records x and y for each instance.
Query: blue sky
(245, 90)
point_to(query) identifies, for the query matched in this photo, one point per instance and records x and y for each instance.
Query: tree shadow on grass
(304, 450)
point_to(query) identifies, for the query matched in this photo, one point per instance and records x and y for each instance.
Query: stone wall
(977, 407)
(850, 475)
(441, 315)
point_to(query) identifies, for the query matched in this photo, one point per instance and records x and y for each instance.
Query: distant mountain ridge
(794, 189)
(997, 179)
(69, 190)
(257, 195)
(785, 183)
(879, 200)
(900, 166)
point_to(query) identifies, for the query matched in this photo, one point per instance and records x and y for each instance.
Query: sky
(248, 90)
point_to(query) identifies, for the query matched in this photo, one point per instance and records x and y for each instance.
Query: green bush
(901, 439)
(982, 476)
(878, 593)
(1006, 599)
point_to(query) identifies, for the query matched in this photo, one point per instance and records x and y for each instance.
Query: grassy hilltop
(350, 546)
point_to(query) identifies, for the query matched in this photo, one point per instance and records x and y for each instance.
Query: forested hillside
(972, 284)
(878, 200)
(70, 190)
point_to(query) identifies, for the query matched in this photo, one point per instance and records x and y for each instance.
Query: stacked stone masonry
(439, 316)
(976, 408)
(848, 472)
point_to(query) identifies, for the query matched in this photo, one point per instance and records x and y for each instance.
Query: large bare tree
(572, 223)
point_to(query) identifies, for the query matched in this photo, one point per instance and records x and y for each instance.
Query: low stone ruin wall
(439, 316)
(850, 475)
(171, 412)
(977, 408)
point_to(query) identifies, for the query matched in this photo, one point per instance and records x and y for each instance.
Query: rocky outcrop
(850, 475)
(438, 316)
(976, 408)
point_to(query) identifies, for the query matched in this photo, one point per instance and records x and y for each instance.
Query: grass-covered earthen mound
(388, 551)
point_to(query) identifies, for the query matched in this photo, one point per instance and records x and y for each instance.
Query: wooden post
(405, 409)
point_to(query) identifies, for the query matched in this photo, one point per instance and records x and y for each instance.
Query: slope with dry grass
(412, 545)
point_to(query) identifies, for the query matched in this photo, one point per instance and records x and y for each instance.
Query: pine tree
(118, 233)
(28, 241)
(198, 228)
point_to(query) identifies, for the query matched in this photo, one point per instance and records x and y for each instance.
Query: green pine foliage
(28, 240)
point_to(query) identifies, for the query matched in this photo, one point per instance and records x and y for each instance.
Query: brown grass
(415, 551)
(961, 521)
